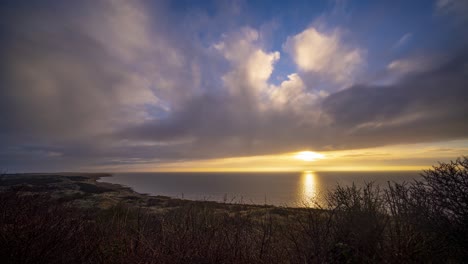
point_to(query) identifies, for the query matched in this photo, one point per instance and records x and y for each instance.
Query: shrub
(36, 229)
(91, 188)
(440, 205)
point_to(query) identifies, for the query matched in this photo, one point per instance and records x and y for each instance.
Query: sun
(308, 156)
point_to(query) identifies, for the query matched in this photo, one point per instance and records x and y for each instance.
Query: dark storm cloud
(72, 74)
(429, 106)
(57, 80)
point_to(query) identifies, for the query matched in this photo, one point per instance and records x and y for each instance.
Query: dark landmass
(84, 190)
(73, 218)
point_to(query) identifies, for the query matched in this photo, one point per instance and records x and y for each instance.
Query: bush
(91, 188)
(36, 229)
(439, 203)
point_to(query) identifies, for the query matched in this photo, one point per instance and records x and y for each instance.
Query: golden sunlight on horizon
(309, 156)
(413, 157)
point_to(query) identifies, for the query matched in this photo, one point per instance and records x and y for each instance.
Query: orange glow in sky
(309, 156)
(398, 157)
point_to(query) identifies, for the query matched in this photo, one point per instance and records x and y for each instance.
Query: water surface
(284, 189)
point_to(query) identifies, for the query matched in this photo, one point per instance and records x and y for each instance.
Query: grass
(36, 180)
(91, 188)
(77, 178)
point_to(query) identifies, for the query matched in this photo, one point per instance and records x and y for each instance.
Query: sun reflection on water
(308, 188)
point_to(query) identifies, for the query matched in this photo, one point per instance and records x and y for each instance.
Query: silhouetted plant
(36, 229)
(440, 205)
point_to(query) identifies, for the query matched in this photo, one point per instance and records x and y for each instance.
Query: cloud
(403, 40)
(289, 91)
(325, 54)
(74, 74)
(225, 121)
(293, 94)
(251, 66)
(68, 74)
(423, 106)
(412, 65)
(459, 8)
(414, 109)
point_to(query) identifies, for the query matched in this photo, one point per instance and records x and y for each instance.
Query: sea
(293, 189)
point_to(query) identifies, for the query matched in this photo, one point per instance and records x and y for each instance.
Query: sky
(114, 85)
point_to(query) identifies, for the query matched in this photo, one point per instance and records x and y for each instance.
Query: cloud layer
(125, 82)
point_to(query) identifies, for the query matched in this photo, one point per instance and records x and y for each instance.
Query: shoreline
(83, 189)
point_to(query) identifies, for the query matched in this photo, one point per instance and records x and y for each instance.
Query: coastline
(84, 190)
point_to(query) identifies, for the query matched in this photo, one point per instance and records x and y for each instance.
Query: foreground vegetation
(420, 222)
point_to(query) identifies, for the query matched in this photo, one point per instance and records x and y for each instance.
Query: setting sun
(309, 156)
